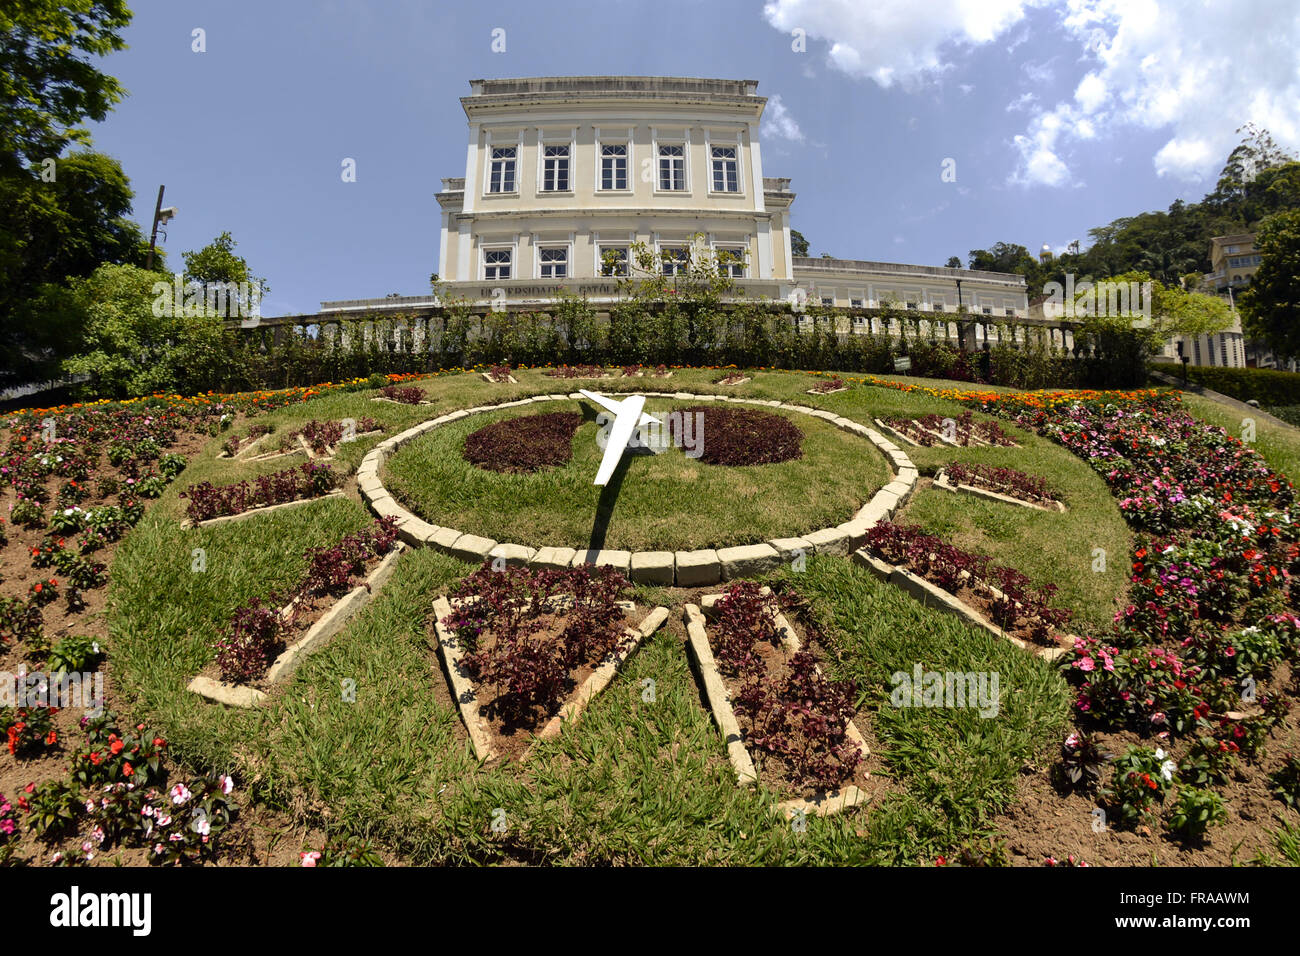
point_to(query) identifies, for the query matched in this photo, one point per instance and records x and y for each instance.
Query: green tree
(50, 231)
(798, 244)
(954, 262)
(217, 269)
(48, 82)
(132, 344)
(1271, 306)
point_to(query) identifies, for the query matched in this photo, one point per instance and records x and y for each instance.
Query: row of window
(553, 261)
(613, 174)
(936, 306)
(1244, 262)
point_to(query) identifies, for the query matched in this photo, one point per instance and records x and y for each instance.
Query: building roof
(553, 90)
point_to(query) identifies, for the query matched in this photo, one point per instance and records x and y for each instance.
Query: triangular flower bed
(785, 724)
(1006, 495)
(242, 676)
(525, 651)
(964, 432)
(958, 582)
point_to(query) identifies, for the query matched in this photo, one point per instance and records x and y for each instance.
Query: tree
(1271, 306)
(129, 347)
(798, 244)
(217, 269)
(953, 263)
(48, 86)
(50, 231)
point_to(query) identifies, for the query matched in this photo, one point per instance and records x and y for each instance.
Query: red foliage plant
(525, 631)
(257, 630)
(741, 436)
(524, 444)
(795, 715)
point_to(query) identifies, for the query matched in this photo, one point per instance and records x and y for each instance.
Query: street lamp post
(161, 216)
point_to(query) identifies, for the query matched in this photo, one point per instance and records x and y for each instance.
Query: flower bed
(735, 378)
(233, 446)
(834, 384)
(578, 371)
(641, 371)
(1005, 482)
(403, 394)
(322, 439)
(526, 649)
(1212, 601)
(500, 375)
(260, 628)
(740, 436)
(1003, 594)
(524, 444)
(795, 725)
(309, 480)
(931, 430)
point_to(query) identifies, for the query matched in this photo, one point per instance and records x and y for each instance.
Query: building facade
(565, 175)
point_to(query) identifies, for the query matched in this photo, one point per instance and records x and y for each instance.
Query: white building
(564, 174)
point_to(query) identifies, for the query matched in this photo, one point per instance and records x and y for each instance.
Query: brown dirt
(257, 835)
(1050, 821)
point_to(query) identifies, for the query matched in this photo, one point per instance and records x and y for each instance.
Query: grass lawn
(635, 781)
(664, 502)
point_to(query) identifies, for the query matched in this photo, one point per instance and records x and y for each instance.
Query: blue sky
(1060, 115)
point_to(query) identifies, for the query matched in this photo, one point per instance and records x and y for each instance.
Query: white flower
(227, 783)
(180, 793)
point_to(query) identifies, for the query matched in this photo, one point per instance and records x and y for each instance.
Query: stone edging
(931, 595)
(682, 568)
(265, 509)
(715, 689)
(450, 652)
(941, 481)
(326, 626)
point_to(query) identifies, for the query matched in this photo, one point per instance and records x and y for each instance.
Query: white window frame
(598, 245)
(545, 138)
(735, 247)
(662, 246)
(540, 246)
(723, 138)
(518, 144)
(659, 138)
(624, 139)
(510, 247)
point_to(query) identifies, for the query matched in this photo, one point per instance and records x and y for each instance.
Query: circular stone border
(680, 568)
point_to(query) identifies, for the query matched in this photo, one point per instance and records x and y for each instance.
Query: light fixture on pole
(161, 217)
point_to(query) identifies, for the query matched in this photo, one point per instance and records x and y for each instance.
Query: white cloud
(1175, 66)
(1022, 102)
(1192, 70)
(778, 122)
(896, 41)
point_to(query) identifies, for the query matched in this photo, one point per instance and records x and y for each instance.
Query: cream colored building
(563, 175)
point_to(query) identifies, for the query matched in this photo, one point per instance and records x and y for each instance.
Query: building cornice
(811, 265)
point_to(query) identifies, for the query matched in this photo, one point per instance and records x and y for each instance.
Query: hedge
(1267, 386)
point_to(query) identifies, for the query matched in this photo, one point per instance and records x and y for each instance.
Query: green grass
(634, 781)
(664, 502)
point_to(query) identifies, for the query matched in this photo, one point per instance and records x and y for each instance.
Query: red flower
(127, 769)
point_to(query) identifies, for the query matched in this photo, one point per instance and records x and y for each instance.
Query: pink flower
(309, 857)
